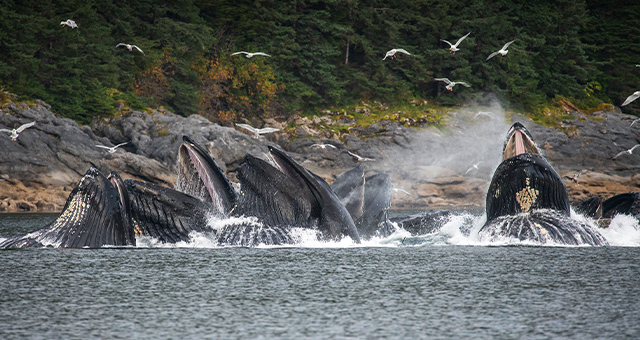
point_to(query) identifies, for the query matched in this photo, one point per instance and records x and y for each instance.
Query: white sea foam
(623, 230)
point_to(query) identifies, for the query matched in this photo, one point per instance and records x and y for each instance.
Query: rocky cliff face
(430, 168)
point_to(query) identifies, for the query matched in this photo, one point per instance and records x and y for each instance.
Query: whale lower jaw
(543, 226)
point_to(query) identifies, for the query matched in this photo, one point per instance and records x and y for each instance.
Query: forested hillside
(323, 53)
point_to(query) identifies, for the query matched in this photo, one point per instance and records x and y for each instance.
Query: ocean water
(441, 286)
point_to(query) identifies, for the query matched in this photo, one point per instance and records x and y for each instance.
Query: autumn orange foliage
(233, 88)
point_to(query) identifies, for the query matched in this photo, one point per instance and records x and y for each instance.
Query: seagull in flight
(392, 53)
(574, 178)
(454, 48)
(451, 84)
(323, 146)
(360, 158)
(503, 51)
(257, 132)
(401, 190)
(631, 98)
(630, 151)
(634, 121)
(112, 149)
(130, 47)
(249, 55)
(483, 113)
(14, 132)
(69, 23)
(474, 166)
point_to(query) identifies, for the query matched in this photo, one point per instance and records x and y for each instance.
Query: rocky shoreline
(430, 167)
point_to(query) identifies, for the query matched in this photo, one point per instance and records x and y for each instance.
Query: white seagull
(455, 48)
(323, 146)
(112, 149)
(257, 132)
(631, 98)
(474, 166)
(249, 55)
(503, 51)
(392, 53)
(634, 121)
(130, 47)
(483, 113)
(14, 132)
(401, 190)
(360, 158)
(69, 23)
(626, 152)
(451, 84)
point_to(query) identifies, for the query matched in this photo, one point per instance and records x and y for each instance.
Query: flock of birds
(13, 133)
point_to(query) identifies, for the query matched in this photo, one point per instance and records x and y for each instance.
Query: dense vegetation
(324, 53)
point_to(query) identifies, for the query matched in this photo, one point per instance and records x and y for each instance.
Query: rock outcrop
(430, 168)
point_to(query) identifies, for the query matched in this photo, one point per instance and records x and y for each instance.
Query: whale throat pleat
(165, 214)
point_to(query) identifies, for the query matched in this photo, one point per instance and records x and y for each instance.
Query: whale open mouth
(519, 141)
(200, 176)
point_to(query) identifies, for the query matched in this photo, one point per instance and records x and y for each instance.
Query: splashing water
(461, 229)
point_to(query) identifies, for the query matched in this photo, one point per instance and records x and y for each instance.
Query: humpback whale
(91, 218)
(368, 200)
(107, 211)
(527, 199)
(374, 220)
(334, 219)
(288, 195)
(349, 188)
(627, 203)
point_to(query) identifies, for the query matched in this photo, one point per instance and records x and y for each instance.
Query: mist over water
(473, 134)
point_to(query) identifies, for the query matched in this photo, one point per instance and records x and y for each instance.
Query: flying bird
(574, 178)
(631, 98)
(249, 55)
(257, 132)
(503, 51)
(112, 149)
(69, 23)
(454, 48)
(14, 132)
(474, 166)
(483, 113)
(323, 146)
(401, 190)
(360, 158)
(130, 47)
(634, 121)
(451, 84)
(392, 53)
(626, 152)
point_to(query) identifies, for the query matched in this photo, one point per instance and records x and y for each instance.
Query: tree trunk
(346, 59)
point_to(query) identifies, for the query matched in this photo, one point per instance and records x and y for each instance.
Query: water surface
(389, 289)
